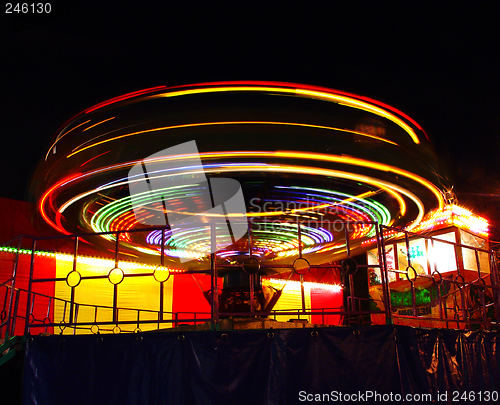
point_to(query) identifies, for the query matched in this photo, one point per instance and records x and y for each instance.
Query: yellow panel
(291, 299)
(138, 292)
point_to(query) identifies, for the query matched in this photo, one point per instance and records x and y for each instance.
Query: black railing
(458, 300)
(464, 297)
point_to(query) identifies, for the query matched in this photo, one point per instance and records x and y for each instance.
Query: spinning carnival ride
(319, 169)
(299, 152)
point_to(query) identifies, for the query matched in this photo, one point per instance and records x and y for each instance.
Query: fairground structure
(355, 267)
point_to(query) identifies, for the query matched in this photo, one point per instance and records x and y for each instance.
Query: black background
(438, 64)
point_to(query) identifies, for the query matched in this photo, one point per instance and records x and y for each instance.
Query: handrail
(460, 289)
(352, 303)
(16, 238)
(103, 307)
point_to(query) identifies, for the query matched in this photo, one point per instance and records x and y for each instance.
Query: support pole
(115, 286)
(213, 272)
(384, 274)
(72, 303)
(11, 321)
(30, 285)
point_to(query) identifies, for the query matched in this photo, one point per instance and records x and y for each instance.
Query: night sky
(439, 65)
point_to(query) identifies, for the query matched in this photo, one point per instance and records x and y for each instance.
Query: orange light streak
(99, 123)
(325, 157)
(392, 189)
(61, 136)
(306, 87)
(322, 95)
(296, 210)
(43, 199)
(334, 158)
(201, 124)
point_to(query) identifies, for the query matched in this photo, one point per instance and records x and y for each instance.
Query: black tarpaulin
(260, 366)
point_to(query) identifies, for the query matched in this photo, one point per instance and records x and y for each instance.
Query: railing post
(213, 273)
(302, 290)
(495, 286)
(71, 307)
(162, 262)
(30, 285)
(115, 286)
(11, 315)
(384, 274)
(14, 318)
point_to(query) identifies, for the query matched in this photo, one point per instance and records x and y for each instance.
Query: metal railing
(456, 296)
(457, 300)
(11, 295)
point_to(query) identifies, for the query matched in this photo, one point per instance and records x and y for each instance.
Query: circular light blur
(302, 154)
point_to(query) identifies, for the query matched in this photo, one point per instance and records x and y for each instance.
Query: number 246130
(28, 8)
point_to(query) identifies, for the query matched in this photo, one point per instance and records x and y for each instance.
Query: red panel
(44, 267)
(15, 217)
(188, 296)
(326, 299)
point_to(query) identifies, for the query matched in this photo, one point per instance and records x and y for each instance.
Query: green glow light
(423, 297)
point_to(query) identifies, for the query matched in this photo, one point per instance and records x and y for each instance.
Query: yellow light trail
(350, 102)
(310, 156)
(336, 98)
(392, 189)
(63, 135)
(322, 157)
(277, 213)
(99, 123)
(201, 124)
(316, 207)
(299, 155)
(365, 163)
